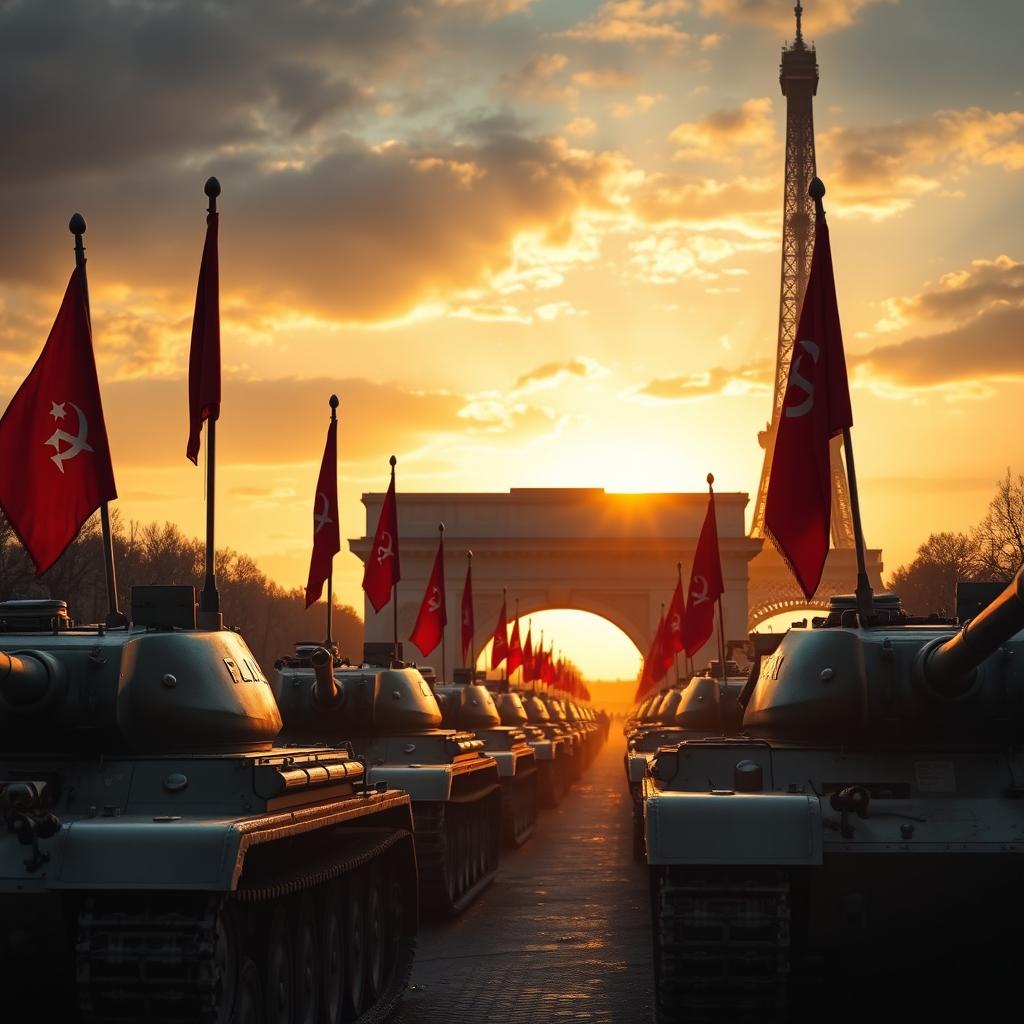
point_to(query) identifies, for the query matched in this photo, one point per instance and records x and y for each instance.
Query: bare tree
(999, 537)
(928, 583)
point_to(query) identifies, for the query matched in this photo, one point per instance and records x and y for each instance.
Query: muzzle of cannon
(325, 686)
(947, 666)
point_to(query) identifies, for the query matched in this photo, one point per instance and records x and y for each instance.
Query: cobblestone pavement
(563, 934)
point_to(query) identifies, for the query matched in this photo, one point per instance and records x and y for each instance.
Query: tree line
(268, 616)
(991, 550)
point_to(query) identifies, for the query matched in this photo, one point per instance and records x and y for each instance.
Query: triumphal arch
(611, 554)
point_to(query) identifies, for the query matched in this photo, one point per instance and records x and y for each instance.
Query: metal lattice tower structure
(798, 78)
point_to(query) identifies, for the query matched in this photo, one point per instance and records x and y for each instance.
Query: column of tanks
(186, 840)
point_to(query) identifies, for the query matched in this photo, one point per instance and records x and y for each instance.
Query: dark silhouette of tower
(798, 78)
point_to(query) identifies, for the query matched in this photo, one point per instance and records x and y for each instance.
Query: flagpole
(542, 648)
(444, 610)
(394, 586)
(209, 599)
(520, 645)
(865, 597)
(472, 637)
(679, 574)
(504, 611)
(721, 617)
(115, 617)
(333, 402)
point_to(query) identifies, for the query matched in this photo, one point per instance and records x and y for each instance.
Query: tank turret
(894, 677)
(149, 688)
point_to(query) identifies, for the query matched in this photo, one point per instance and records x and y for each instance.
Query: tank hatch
(34, 616)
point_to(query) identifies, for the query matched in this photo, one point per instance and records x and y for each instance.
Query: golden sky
(527, 242)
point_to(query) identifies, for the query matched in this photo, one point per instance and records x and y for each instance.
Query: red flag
(55, 468)
(382, 570)
(706, 585)
(204, 355)
(528, 666)
(326, 534)
(647, 680)
(468, 625)
(499, 651)
(798, 507)
(515, 649)
(433, 616)
(674, 621)
(548, 672)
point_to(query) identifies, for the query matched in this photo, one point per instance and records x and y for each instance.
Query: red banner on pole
(433, 614)
(55, 467)
(382, 570)
(326, 532)
(204, 353)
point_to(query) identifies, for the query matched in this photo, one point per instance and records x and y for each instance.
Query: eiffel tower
(798, 79)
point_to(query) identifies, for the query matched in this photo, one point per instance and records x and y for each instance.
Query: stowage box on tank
(865, 833)
(161, 859)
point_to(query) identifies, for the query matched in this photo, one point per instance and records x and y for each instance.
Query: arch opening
(600, 649)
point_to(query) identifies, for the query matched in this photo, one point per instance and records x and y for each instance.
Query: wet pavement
(563, 934)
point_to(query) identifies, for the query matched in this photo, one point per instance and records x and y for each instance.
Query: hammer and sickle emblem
(677, 624)
(323, 517)
(806, 386)
(76, 443)
(435, 600)
(384, 549)
(699, 595)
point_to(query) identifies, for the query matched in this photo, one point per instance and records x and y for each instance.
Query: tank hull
(928, 875)
(457, 802)
(178, 888)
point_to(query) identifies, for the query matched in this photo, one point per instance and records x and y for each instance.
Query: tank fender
(731, 828)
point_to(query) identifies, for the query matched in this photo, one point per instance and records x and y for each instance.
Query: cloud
(964, 361)
(754, 378)
(746, 206)
(167, 80)
(825, 16)
(363, 234)
(580, 126)
(491, 9)
(639, 104)
(985, 302)
(608, 78)
(634, 22)
(724, 134)
(880, 170)
(960, 294)
(535, 80)
(548, 375)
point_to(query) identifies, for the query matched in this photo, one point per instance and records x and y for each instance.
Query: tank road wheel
(248, 1008)
(278, 982)
(307, 963)
(354, 916)
(332, 957)
(226, 955)
(376, 936)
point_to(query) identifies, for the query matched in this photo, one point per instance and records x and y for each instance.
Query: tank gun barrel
(24, 680)
(325, 687)
(947, 665)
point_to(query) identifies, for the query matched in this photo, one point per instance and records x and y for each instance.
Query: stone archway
(610, 554)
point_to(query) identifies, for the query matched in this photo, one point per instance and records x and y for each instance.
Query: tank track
(153, 957)
(552, 784)
(721, 946)
(519, 807)
(457, 850)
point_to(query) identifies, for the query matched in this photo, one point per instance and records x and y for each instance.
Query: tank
(541, 716)
(551, 752)
(863, 836)
(162, 859)
(394, 722)
(466, 705)
(560, 717)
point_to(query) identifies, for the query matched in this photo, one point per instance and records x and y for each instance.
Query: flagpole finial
(212, 190)
(711, 481)
(816, 190)
(392, 462)
(440, 528)
(469, 556)
(333, 403)
(77, 224)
